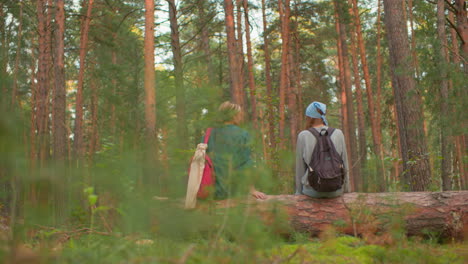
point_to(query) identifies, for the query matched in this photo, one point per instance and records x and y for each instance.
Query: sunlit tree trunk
(3, 52)
(284, 11)
(59, 127)
(342, 95)
(150, 85)
(348, 106)
(416, 167)
(234, 67)
(78, 144)
(360, 108)
(462, 27)
(253, 95)
(182, 132)
(297, 67)
(459, 141)
(43, 83)
(373, 108)
(413, 38)
(18, 53)
(205, 41)
(240, 56)
(268, 82)
(378, 106)
(445, 133)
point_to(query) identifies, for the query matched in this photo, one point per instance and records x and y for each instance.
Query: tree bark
(268, 82)
(360, 108)
(445, 132)
(59, 130)
(18, 53)
(234, 67)
(150, 85)
(78, 144)
(205, 41)
(253, 94)
(462, 27)
(240, 56)
(3, 52)
(419, 213)
(182, 132)
(378, 113)
(408, 101)
(342, 93)
(284, 11)
(42, 94)
(413, 38)
(353, 159)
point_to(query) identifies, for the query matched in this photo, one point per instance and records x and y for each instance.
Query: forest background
(104, 102)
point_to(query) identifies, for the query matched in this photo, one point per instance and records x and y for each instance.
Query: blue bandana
(312, 111)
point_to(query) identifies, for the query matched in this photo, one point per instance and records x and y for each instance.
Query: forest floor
(83, 245)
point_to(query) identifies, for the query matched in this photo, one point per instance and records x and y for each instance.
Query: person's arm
(300, 165)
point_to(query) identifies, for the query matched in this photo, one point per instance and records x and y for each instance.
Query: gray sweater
(305, 146)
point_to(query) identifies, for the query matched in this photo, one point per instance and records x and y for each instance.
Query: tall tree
(42, 94)
(445, 133)
(18, 53)
(347, 101)
(234, 66)
(205, 39)
(357, 87)
(375, 124)
(250, 64)
(408, 100)
(182, 132)
(462, 27)
(284, 11)
(268, 81)
(150, 85)
(240, 54)
(59, 130)
(78, 142)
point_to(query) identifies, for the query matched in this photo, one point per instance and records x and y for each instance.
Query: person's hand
(258, 195)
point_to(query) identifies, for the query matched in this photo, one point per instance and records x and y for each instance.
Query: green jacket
(229, 149)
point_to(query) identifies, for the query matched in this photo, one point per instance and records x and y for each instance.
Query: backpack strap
(314, 132)
(207, 135)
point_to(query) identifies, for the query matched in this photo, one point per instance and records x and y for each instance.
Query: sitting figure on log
(321, 159)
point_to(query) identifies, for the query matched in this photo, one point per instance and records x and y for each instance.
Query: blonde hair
(230, 112)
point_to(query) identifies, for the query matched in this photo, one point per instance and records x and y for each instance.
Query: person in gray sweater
(315, 117)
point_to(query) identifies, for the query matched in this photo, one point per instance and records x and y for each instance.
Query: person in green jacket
(229, 149)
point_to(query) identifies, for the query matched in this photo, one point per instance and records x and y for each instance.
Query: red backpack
(207, 184)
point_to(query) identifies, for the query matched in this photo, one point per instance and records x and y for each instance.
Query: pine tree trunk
(269, 88)
(18, 53)
(378, 107)
(182, 132)
(150, 85)
(413, 38)
(3, 52)
(253, 95)
(205, 41)
(368, 214)
(78, 144)
(342, 94)
(43, 83)
(297, 69)
(408, 101)
(240, 56)
(284, 11)
(234, 67)
(444, 108)
(462, 27)
(59, 130)
(360, 108)
(353, 159)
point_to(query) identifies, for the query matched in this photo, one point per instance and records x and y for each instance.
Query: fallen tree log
(438, 214)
